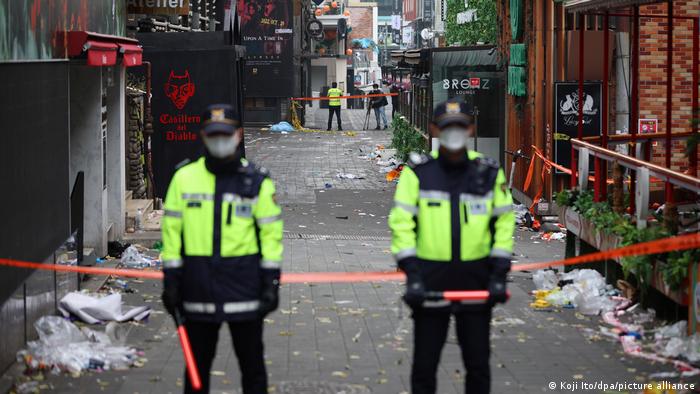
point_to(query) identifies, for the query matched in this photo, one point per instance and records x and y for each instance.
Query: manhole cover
(320, 388)
(339, 237)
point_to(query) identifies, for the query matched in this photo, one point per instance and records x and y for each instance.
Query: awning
(473, 57)
(415, 56)
(591, 5)
(132, 54)
(101, 49)
(397, 56)
(100, 53)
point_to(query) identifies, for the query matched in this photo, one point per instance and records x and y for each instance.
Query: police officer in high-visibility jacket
(334, 105)
(222, 249)
(452, 229)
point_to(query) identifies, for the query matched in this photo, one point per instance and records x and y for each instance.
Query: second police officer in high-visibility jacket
(334, 105)
(452, 227)
(222, 249)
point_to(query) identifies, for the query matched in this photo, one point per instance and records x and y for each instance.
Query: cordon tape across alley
(670, 244)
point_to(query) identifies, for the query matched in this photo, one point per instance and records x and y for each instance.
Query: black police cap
(453, 112)
(220, 118)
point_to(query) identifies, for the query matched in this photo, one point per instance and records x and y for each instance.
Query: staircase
(149, 218)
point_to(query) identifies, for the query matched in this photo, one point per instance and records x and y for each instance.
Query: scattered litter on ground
(63, 347)
(506, 321)
(93, 310)
(586, 290)
(522, 215)
(545, 279)
(132, 258)
(349, 176)
(116, 248)
(394, 174)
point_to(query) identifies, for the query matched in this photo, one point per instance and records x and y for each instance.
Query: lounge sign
(158, 7)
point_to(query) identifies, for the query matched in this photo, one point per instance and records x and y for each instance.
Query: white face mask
(222, 146)
(454, 138)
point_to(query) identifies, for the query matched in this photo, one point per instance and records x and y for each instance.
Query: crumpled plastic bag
(676, 330)
(132, 258)
(592, 304)
(674, 347)
(558, 298)
(63, 347)
(586, 279)
(692, 350)
(545, 279)
(56, 331)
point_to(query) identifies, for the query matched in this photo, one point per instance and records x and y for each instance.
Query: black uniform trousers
(331, 110)
(247, 343)
(430, 333)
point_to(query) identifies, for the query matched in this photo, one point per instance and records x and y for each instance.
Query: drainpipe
(622, 83)
(669, 97)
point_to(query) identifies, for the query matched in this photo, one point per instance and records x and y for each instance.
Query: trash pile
(582, 289)
(386, 159)
(63, 347)
(98, 309)
(548, 230)
(132, 258)
(586, 291)
(522, 215)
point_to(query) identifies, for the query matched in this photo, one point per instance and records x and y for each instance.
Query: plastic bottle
(137, 220)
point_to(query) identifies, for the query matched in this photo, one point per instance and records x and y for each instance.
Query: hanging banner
(267, 33)
(187, 77)
(566, 116)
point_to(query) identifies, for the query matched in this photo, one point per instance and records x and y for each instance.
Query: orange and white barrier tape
(344, 97)
(677, 243)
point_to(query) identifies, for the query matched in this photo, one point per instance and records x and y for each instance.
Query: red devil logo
(179, 88)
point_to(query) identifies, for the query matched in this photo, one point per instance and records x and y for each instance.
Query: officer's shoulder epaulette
(182, 164)
(416, 159)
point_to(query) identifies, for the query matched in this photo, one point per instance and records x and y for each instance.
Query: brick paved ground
(356, 338)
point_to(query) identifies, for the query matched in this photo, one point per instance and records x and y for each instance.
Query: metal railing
(644, 171)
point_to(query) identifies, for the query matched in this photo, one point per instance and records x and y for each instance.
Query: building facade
(64, 159)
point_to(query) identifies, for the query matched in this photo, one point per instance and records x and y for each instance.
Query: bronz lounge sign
(158, 7)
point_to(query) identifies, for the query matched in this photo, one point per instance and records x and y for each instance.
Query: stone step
(144, 238)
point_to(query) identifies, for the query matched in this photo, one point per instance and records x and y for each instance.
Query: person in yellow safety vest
(452, 229)
(222, 250)
(334, 106)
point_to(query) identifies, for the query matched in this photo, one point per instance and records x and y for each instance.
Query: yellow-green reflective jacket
(222, 235)
(441, 216)
(334, 92)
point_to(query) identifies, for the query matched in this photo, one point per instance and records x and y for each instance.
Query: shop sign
(648, 126)
(158, 7)
(466, 85)
(566, 116)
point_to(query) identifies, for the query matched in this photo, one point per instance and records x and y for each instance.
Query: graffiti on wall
(28, 27)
